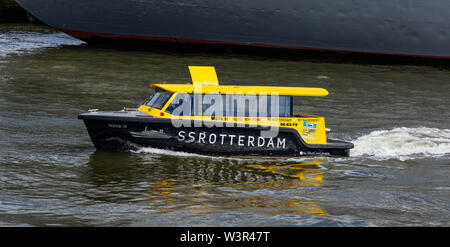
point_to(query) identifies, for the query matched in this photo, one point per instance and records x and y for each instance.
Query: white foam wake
(403, 143)
(398, 143)
(168, 152)
(156, 151)
(15, 42)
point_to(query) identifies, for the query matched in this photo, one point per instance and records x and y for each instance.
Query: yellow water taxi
(207, 118)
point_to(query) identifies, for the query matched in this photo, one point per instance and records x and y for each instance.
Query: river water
(397, 115)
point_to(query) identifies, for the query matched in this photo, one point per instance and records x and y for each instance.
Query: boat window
(286, 106)
(184, 105)
(177, 107)
(243, 106)
(158, 99)
(231, 105)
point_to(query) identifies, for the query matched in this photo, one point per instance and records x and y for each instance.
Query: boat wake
(14, 42)
(403, 143)
(168, 152)
(399, 143)
(156, 151)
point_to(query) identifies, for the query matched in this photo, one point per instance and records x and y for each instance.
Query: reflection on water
(206, 188)
(306, 172)
(294, 176)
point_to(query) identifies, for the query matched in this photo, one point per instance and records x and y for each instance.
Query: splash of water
(403, 143)
(15, 42)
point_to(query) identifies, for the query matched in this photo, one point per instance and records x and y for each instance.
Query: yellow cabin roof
(189, 88)
(205, 81)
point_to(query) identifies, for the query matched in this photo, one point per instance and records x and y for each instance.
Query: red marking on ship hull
(86, 36)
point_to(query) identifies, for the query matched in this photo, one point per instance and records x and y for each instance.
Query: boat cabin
(206, 100)
(235, 105)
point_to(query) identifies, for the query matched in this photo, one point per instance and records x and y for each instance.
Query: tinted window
(177, 103)
(232, 105)
(286, 106)
(158, 99)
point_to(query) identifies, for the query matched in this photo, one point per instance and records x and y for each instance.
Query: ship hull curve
(402, 27)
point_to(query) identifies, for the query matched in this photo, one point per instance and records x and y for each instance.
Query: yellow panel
(203, 75)
(312, 130)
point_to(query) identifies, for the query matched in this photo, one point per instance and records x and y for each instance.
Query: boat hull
(132, 130)
(403, 27)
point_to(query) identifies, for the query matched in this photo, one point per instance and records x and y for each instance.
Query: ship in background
(398, 27)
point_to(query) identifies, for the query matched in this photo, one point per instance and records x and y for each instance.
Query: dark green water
(50, 174)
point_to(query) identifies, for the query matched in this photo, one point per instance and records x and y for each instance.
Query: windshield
(158, 99)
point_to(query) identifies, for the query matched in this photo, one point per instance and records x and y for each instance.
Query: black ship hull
(401, 27)
(131, 130)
